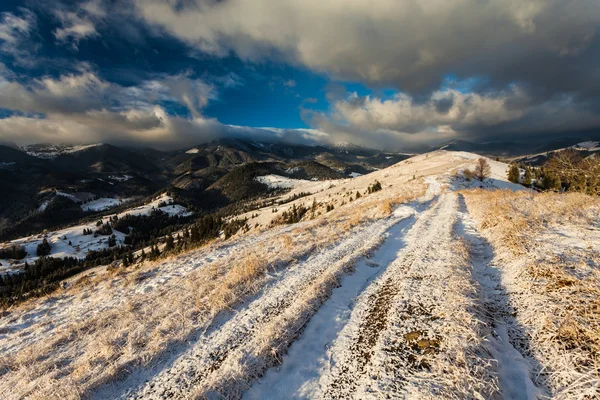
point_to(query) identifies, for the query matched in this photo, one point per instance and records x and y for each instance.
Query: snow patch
(102, 204)
(279, 182)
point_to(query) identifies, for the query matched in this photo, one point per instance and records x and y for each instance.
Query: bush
(468, 174)
(376, 187)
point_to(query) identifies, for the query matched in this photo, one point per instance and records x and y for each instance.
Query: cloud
(550, 45)
(79, 24)
(15, 36)
(83, 108)
(405, 122)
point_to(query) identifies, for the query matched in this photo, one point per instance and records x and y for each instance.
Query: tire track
(209, 352)
(372, 317)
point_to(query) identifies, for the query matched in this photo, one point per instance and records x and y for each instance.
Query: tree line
(565, 171)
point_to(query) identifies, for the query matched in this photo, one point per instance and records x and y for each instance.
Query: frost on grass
(124, 328)
(548, 248)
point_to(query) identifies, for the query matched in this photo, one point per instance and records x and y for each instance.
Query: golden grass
(566, 286)
(83, 354)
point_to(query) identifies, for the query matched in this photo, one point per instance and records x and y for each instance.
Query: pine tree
(44, 248)
(169, 243)
(527, 180)
(514, 174)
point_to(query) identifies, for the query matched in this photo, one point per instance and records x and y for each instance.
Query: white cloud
(407, 43)
(79, 24)
(15, 32)
(404, 122)
(83, 108)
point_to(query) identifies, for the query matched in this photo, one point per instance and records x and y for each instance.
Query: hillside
(424, 286)
(104, 171)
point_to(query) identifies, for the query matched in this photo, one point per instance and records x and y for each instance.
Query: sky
(387, 74)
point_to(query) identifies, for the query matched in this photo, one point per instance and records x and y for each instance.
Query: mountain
(584, 149)
(437, 291)
(511, 149)
(105, 158)
(41, 178)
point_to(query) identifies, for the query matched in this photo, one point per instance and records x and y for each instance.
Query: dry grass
(83, 354)
(558, 281)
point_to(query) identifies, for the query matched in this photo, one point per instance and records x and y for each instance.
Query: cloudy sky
(394, 74)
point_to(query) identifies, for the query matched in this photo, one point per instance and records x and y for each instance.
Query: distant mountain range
(512, 149)
(38, 179)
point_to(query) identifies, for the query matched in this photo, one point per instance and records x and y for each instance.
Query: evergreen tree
(527, 180)
(169, 243)
(44, 248)
(514, 174)
(112, 241)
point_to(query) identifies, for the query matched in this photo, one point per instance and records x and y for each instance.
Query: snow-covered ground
(102, 204)
(589, 146)
(53, 151)
(71, 242)
(278, 181)
(402, 293)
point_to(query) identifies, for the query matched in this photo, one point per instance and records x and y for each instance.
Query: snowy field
(433, 287)
(102, 204)
(71, 242)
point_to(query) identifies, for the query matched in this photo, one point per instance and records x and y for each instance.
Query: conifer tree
(527, 180)
(514, 174)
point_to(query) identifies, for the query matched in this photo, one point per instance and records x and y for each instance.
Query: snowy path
(308, 356)
(217, 349)
(383, 330)
(399, 304)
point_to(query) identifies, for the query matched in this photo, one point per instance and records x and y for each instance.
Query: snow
(308, 358)
(102, 204)
(171, 209)
(192, 151)
(80, 243)
(514, 371)
(43, 206)
(53, 151)
(279, 182)
(421, 269)
(120, 178)
(589, 146)
(68, 196)
(355, 174)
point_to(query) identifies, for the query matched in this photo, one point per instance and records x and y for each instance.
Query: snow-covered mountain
(51, 151)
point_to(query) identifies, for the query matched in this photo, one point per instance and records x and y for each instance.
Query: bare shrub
(482, 169)
(468, 174)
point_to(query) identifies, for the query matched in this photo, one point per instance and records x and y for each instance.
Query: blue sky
(392, 74)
